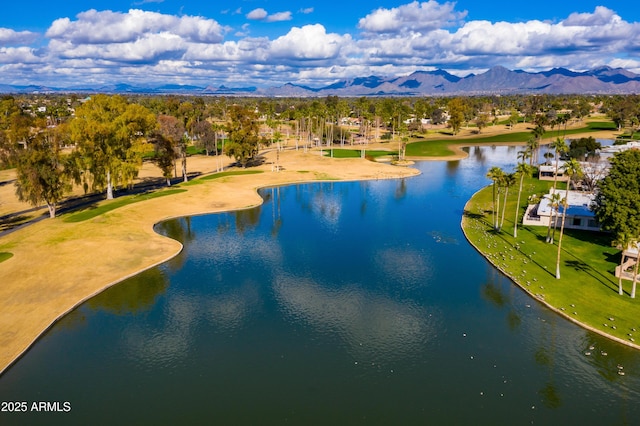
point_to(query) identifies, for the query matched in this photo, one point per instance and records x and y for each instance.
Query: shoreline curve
(324, 172)
(533, 296)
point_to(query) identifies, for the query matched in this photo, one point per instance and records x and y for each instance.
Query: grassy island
(586, 293)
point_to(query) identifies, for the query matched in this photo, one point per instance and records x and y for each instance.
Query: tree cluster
(99, 142)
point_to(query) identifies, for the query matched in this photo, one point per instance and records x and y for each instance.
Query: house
(547, 172)
(613, 149)
(579, 214)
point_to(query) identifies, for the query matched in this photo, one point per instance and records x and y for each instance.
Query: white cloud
(306, 10)
(9, 37)
(425, 16)
(482, 44)
(115, 27)
(111, 45)
(149, 48)
(18, 55)
(278, 17)
(257, 14)
(601, 16)
(260, 14)
(308, 42)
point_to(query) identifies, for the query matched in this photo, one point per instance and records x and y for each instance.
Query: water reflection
(132, 296)
(373, 326)
(179, 230)
(401, 189)
(550, 397)
(272, 196)
(264, 314)
(497, 295)
(406, 269)
(452, 167)
(229, 311)
(247, 219)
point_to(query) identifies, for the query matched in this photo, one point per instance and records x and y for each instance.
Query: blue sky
(271, 42)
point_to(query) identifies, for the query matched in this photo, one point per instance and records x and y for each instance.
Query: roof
(579, 203)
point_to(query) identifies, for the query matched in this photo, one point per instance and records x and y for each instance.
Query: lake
(332, 303)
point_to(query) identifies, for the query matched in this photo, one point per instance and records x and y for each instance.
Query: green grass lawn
(357, 153)
(4, 256)
(107, 206)
(440, 147)
(587, 290)
(230, 173)
(203, 179)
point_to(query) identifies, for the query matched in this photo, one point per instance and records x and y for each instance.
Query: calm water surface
(332, 303)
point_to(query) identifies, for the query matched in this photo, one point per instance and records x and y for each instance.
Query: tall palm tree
(508, 180)
(573, 170)
(538, 132)
(495, 174)
(554, 204)
(532, 146)
(522, 170)
(560, 147)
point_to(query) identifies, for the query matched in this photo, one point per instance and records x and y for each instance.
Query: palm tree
(495, 174)
(508, 180)
(554, 204)
(560, 147)
(572, 169)
(538, 132)
(532, 146)
(522, 170)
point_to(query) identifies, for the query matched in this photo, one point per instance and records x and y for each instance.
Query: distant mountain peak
(438, 82)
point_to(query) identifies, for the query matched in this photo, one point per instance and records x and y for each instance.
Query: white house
(579, 214)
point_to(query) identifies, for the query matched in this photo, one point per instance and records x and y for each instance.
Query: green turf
(587, 290)
(4, 256)
(203, 179)
(357, 153)
(107, 206)
(231, 173)
(440, 147)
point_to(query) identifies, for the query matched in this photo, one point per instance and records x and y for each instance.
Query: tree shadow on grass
(613, 258)
(600, 238)
(256, 161)
(578, 265)
(11, 222)
(581, 266)
(471, 215)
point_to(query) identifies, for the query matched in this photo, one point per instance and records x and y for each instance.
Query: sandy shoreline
(57, 266)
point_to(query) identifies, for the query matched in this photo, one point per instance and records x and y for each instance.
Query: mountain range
(497, 80)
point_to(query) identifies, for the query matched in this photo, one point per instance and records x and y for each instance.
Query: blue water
(332, 303)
